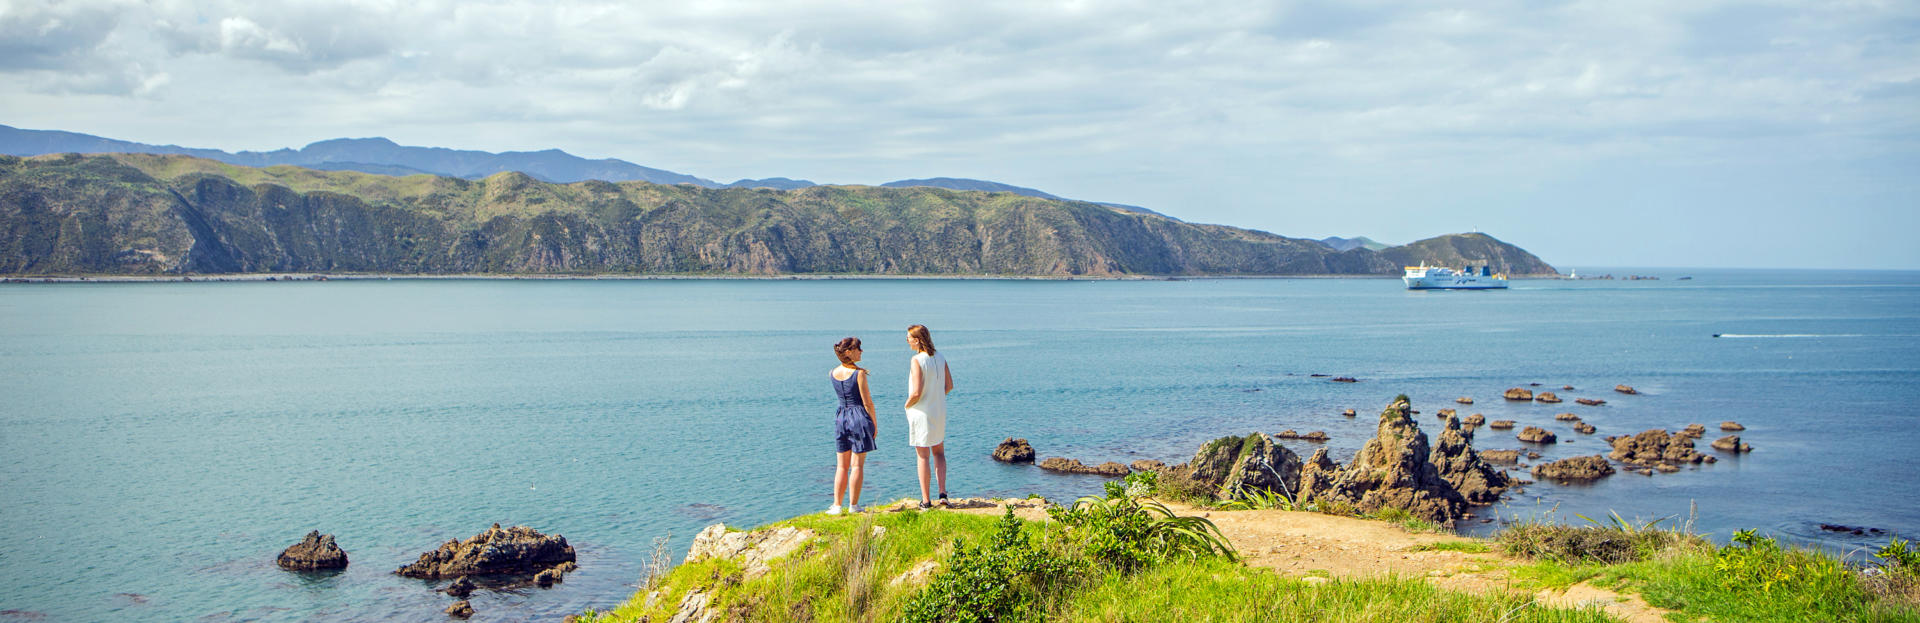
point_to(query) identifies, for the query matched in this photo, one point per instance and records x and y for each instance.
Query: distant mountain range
(384, 157)
(178, 214)
(1343, 244)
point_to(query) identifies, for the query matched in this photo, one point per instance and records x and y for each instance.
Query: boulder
(754, 550)
(460, 609)
(1583, 428)
(1348, 413)
(1547, 397)
(1013, 451)
(1230, 466)
(1567, 417)
(1074, 466)
(519, 550)
(1576, 468)
(1519, 393)
(1318, 435)
(1147, 465)
(1394, 469)
(1477, 481)
(1464, 400)
(1446, 413)
(1731, 426)
(1566, 388)
(1532, 455)
(1625, 389)
(1653, 447)
(1500, 424)
(1345, 379)
(547, 578)
(314, 553)
(1591, 402)
(1507, 457)
(1731, 443)
(1535, 434)
(1695, 431)
(461, 588)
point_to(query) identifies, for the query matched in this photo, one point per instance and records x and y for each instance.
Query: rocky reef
(1013, 451)
(315, 553)
(519, 550)
(1398, 468)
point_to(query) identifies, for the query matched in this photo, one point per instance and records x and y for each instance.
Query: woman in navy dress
(853, 425)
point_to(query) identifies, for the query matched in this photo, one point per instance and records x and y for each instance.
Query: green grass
(1470, 547)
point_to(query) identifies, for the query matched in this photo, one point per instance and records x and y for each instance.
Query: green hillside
(157, 214)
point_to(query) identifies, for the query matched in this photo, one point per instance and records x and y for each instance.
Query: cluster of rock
(1315, 436)
(1232, 467)
(1397, 468)
(1013, 451)
(1074, 466)
(518, 550)
(1576, 468)
(317, 552)
(1731, 443)
(1657, 449)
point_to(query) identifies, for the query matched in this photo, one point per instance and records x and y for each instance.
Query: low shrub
(1125, 534)
(1002, 579)
(1598, 544)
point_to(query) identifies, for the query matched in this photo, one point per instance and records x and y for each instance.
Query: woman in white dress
(927, 410)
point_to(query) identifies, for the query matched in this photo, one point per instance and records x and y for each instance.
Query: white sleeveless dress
(927, 419)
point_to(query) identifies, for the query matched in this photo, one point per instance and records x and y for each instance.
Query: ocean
(160, 443)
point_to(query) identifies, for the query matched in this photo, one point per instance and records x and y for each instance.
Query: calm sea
(160, 443)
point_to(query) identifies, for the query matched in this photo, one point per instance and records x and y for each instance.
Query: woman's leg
(840, 478)
(940, 466)
(920, 456)
(855, 477)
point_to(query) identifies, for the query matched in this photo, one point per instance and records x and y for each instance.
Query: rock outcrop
(1576, 468)
(1394, 469)
(1474, 420)
(1074, 466)
(1229, 467)
(1501, 424)
(461, 588)
(460, 609)
(1535, 434)
(1013, 451)
(1654, 447)
(1348, 412)
(1464, 400)
(1518, 393)
(1583, 428)
(1475, 480)
(755, 550)
(1731, 443)
(314, 553)
(1567, 417)
(1147, 465)
(1731, 426)
(1318, 435)
(1505, 457)
(1695, 431)
(1591, 402)
(1625, 389)
(519, 550)
(1547, 397)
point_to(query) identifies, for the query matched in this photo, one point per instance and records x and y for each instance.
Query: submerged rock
(1013, 451)
(1535, 434)
(460, 589)
(1393, 470)
(1519, 393)
(1731, 443)
(519, 550)
(1347, 412)
(314, 553)
(460, 609)
(1625, 389)
(1345, 379)
(1591, 402)
(1074, 466)
(1546, 397)
(1576, 468)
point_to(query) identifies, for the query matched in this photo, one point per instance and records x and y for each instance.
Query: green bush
(1124, 534)
(1598, 543)
(1003, 579)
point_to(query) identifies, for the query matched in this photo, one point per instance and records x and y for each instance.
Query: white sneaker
(833, 510)
(853, 509)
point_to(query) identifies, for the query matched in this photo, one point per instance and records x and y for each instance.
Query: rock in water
(1464, 400)
(1583, 428)
(1147, 465)
(1576, 468)
(1393, 470)
(1232, 466)
(1318, 435)
(1731, 443)
(314, 553)
(1535, 434)
(1013, 451)
(1475, 420)
(1519, 393)
(1695, 431)
(460, 589)
(519, 550)
(1731, 426)
(1567, 417)
(1625, 389)
(1654, 447)
(1475, 480)
(1547, 397)
(1591, 402)
(1347, 412)
(1501, 424)
(1500, 456)
(1074, 466)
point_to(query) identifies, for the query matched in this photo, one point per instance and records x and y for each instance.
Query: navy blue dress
(852, 429)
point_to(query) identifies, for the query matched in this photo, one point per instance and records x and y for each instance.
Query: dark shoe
(925, 506)
(943, 499)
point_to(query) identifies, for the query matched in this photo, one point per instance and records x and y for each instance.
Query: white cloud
(1378, 111)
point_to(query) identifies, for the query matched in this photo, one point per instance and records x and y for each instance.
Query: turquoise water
(160, 443)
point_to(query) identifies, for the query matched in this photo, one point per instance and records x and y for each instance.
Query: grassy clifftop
(155, 214)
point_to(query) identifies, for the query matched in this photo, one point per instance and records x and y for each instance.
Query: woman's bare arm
(914, 383)
(949, 370)
(866, 398)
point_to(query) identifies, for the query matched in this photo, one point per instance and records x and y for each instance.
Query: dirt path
(1304, 544)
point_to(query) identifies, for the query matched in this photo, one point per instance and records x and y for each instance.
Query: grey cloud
(52, 35)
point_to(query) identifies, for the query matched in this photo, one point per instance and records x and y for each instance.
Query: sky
(1608, 133)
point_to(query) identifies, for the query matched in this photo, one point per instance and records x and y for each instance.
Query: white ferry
(1423, 277)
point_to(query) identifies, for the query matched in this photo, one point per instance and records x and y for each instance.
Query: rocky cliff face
(143, 214)
(1398, 469)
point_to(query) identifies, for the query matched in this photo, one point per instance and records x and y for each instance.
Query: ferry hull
(1455, 283)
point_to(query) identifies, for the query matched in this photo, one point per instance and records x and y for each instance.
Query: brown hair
(840, 349)
(919, 332)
